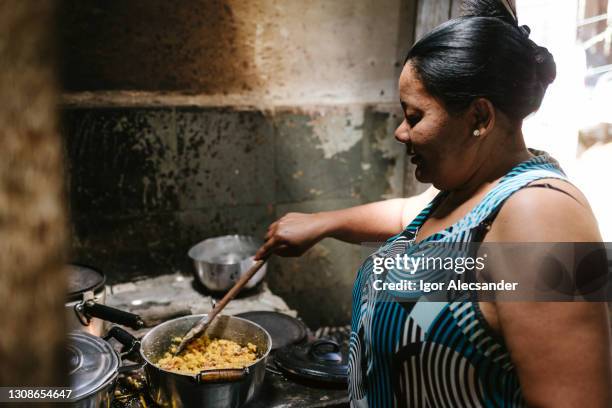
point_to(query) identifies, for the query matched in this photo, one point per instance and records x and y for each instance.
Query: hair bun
(526, 30)
(489, 8)
(546, 69)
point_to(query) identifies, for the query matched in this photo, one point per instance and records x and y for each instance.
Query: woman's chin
(421, 175)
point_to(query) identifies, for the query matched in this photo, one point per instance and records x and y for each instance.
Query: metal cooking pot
(85, 308)
(219, 262)
(211, 388)
(94, 367)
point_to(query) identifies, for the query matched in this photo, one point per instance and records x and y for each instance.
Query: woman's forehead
(411, 90)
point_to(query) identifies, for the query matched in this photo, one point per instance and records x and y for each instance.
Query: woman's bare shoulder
(546, 215)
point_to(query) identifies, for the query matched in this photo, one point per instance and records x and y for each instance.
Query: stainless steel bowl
(219, 262)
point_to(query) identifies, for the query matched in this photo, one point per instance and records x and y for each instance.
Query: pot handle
(224, 375)
(93, 309)
(129, 342)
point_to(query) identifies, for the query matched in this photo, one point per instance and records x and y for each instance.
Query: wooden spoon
(200, 327)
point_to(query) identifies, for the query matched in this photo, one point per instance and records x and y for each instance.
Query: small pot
(227, 388)
(94, 367)
(85, 309)
(219, 262)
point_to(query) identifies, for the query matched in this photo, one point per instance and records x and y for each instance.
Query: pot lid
(321, 360)
(92, 364)
(83, 278)
(283, 329)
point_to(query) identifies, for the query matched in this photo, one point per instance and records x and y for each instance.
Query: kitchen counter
(166, 297)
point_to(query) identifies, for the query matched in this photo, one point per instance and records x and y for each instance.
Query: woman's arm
(561, 350)
(294, 233)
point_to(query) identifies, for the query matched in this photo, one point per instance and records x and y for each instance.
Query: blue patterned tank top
(434, 354)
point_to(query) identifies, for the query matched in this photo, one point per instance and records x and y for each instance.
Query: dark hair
(486, 54)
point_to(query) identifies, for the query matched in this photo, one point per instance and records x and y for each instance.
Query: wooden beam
(33, 229)
(430, 14)
(456, 9)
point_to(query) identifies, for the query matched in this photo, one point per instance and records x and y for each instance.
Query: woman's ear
(483, 116)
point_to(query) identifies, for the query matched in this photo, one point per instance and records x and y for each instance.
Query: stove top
(277, 391)
(132, 389)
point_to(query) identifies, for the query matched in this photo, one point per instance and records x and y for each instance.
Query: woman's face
(442, 146)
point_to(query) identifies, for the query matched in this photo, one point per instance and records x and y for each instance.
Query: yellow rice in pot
(206, 354)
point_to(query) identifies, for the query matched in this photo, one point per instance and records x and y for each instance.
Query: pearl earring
(476, 133)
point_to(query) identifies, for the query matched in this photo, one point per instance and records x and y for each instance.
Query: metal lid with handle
(321, 360)
(81, 279)
(93, 364)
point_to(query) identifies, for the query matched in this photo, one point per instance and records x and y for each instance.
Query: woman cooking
(465, 89)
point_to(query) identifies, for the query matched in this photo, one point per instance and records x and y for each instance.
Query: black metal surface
(284, 329)
(83, 278)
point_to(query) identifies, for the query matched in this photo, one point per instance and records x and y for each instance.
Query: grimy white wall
(263, 52)
(213, 117)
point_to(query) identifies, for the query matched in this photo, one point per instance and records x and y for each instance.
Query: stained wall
(186, 120)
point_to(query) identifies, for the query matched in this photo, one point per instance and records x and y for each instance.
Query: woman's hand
(293, 234)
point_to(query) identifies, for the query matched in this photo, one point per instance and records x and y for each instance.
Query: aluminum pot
(229, 388)
(85, 307)
(219, 262)
(85, 284)
(94, 367)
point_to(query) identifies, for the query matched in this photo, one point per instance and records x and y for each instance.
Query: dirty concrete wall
(285, 52)
(188, 120)
(147, 183)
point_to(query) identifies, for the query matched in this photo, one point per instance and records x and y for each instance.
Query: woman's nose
(402, 133)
